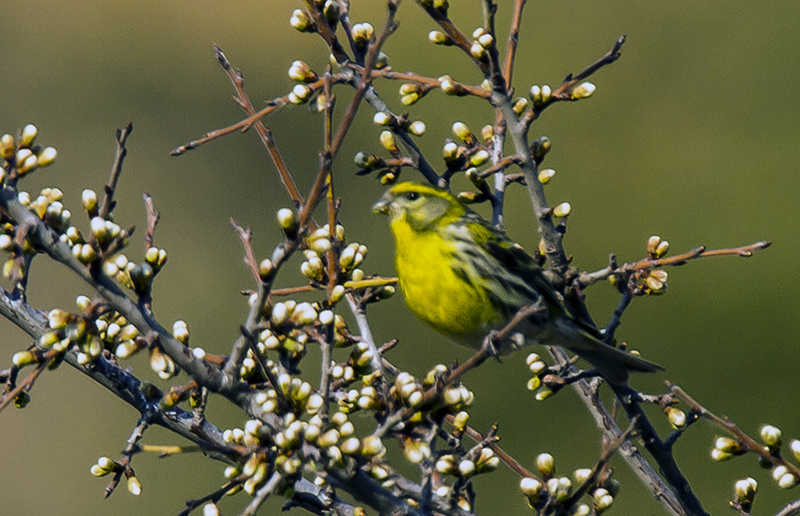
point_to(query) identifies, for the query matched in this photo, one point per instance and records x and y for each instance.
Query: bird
(466, 279)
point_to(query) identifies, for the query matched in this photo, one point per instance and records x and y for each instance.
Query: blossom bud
(546, 175)
(745, 490)
(300, 21)
(29, 132)
(520, 104)
(546, 464)
(676, 417)
(466, 468)
(382, 118)
(479, 158)
(363, 33)
(300, 71)
(7, 146)
(477, 50)
(300, 94)
(562, 210)
(583, 91)
(531, 488)
(388, 142)
(771, 436)
(134, 486)
(417, 128)
(287, 219)
(439, 38)
(795, 445)
(47, 156)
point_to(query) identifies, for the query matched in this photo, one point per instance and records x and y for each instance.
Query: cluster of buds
(540, 95)
(539, 369)
(482, 40)
(363, 33)
(113, 331)
(104, 466)
(301, 72)
(657, 247)
(408, 389)
(480, 460)
(49, 207)
(653, 282)
(785, 476)
(162, 364)
(300, 94)
(745, 492)
(726, 448)
(410, 93)
(66, 330)
(21, 156)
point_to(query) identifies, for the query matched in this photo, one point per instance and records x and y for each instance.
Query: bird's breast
(438, 293)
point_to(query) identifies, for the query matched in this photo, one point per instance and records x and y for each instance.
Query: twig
(25, 384)
(116, 169)
(213, 497)
(588, 278)
(747, 442)
(152, 221)
(366, 333)
(616, 318)
(589, 395)
(792, 509)
(262, 494)
(237, 79)
(513, 39)
(609, 449)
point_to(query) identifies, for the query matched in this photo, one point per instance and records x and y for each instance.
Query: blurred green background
(693, 135)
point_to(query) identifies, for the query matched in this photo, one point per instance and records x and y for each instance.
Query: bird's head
(420, 206)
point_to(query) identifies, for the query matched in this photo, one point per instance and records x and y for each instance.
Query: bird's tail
(613, 363)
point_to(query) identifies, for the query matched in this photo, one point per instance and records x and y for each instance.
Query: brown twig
(116, 169)
(25, 384)
(513, 40)
(237, 79)
(588, 278)
(152, 221)
(747, 442)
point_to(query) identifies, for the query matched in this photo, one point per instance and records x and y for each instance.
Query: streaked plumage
(464, 278)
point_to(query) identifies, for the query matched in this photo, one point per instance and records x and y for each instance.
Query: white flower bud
(583, 91)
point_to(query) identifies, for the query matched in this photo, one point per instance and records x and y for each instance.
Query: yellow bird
(464, 278)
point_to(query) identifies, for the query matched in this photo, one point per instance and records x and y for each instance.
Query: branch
(237, 79)
(746, 251)
(747, 442)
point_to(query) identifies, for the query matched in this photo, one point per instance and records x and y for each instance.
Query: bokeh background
(693, 135)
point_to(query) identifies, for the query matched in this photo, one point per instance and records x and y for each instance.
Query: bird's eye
(412, 196)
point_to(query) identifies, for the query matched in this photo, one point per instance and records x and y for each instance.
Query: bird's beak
(382, 206)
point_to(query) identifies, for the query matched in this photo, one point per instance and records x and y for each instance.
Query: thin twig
(747, 442)
(513, 40)
(262, 494)
(116, 169)
(237, 79)
(588, 278)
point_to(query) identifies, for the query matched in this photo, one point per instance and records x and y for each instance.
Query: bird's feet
(489, 347)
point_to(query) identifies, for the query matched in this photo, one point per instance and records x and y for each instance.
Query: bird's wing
(513, 259)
